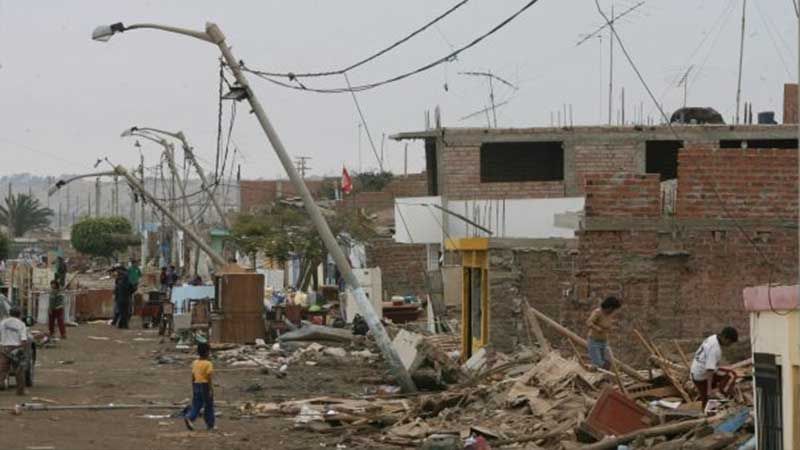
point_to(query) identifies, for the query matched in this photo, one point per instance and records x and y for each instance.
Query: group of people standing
(126, 282)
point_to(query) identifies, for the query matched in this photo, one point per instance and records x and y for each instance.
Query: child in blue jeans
(202, 389)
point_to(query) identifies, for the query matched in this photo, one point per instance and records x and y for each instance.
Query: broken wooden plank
(661, 430)
(533, 323)
(562, 330)
(664, 367)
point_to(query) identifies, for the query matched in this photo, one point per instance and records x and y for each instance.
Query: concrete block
(407, 345)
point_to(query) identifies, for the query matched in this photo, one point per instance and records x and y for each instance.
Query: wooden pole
(672, 428)
(582, 342)
(534, 325)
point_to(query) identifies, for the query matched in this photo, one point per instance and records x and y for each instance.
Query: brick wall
(753, 183)
(610, 158)
(682, 279)
(413, 185)
(402, 265)
(790, 103)
(622, 195)
(256, 193)
(462, 179)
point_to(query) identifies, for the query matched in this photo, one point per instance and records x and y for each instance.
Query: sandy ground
(122, 370)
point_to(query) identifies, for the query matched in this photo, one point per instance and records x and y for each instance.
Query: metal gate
(769, 411)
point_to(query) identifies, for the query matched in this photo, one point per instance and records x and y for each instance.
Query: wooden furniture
(240, 303)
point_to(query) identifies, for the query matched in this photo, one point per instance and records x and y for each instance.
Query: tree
(282, 230)
(5, 244)
(102, 236)
(24, 213)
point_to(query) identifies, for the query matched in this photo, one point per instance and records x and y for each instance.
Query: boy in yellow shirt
(202, 389)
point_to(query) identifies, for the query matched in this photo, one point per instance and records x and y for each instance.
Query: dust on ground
(122, 369)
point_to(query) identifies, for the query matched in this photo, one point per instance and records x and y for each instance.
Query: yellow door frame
(474, 255)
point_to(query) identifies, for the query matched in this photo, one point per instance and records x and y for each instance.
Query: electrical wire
(292, 76)
(768, 29)
(364, 122)
(363, 87)
(709, 180)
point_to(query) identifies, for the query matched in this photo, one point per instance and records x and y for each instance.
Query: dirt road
(99, 364)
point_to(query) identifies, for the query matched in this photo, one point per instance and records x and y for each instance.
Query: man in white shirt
(705, 370)
(13, 339)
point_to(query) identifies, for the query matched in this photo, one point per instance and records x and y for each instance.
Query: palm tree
(24, 213)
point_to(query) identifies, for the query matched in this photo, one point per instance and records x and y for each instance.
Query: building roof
(655, 131)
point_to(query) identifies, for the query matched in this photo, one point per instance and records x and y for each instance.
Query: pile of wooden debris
(538, 398)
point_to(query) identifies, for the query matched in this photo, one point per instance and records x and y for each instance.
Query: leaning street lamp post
(189, 154)
(218, 260)
(214, 35)
(169, 153)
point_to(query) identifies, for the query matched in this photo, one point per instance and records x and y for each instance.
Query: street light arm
(202, 35)
(61, 183)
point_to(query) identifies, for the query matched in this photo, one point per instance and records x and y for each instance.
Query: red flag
(347, 182)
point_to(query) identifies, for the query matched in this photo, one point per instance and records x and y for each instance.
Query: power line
(293, 76)
(450, 56)
(364, 123)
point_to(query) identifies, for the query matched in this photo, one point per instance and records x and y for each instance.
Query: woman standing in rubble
(600, 323)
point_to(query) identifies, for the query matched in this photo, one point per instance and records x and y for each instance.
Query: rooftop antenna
(491, 78)
(741, 56)
(684, 81)
(613, 19)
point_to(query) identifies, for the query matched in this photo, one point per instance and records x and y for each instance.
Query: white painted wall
(779, 334)
(416, 222)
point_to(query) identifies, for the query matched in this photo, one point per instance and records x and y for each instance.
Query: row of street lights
(240, 91)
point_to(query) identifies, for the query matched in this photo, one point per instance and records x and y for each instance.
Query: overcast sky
(65, 99)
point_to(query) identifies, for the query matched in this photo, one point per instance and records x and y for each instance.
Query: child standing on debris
(706, 373)
(600, 323)
(202, 389)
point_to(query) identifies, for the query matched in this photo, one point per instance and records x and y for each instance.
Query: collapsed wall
(680, 274)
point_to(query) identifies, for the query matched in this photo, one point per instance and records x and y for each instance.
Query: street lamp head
(129, 132)
(53, 189)
(104, 32)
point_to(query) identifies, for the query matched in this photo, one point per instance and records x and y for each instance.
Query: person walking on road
(13, 339)
(55, 310)
(202, 389)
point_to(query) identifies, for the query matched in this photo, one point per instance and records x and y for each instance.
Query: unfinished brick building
(677, 226)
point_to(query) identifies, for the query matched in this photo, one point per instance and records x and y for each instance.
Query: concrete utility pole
(242, 91)
(142, 220)
(741, 59)
(169, 154)
(97, 195)
(189, 154)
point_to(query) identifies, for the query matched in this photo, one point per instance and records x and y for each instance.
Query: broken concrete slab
(337, 352)
(476, 362)
(407, 345)
(317, 333)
